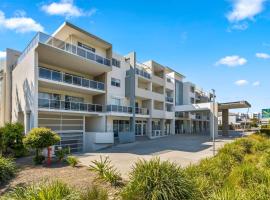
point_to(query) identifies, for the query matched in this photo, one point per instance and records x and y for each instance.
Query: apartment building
(74, 83)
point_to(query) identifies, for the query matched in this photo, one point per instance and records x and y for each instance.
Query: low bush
(44, 191)
(12, 135)
(156, 180)
(54, 191)
(38, 160)
(265, 131)
(62, 153)
(94, 193)
(72, 161)
(106, 171)
(7, 169)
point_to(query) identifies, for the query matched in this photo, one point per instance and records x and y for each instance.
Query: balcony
(69, 80)
(169, 99)
(143, 73)
(141, 111)
(60, 105)
(57, 52)
(119, 109)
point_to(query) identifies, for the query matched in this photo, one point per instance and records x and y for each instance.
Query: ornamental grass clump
(157, 180)
(106, 171)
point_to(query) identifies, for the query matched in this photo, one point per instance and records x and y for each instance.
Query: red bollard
(49, 161)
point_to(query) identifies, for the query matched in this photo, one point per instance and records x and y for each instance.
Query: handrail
(117, 108)
(71, 48)
(70, 79)
(169, 99)
(69, 105)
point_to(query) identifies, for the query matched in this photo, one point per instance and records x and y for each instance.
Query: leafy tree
(12, 137)
(40, 138)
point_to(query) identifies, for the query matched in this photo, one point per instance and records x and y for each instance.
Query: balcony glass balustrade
(169, 99)
(122, 109)
(56, 43)
(141, 111)
(69, 105)
(69, 79)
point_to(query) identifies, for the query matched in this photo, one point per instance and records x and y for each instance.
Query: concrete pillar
(162, 122)
(172, 127)
(149, 127)
(213, 122)
(225, 122)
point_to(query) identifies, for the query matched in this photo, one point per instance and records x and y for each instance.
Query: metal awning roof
(233, 105)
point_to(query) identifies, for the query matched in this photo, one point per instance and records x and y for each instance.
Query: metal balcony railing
(69, 105)
(122, 109)
(69, 79)
(169, 99)
(59, 44)
(143, 73)
(141, 111)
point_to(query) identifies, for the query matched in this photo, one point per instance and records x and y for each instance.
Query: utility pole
(214, 128)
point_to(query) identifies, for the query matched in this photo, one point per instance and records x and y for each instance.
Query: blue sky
(220, 44)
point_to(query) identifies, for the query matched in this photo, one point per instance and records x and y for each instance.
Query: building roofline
(66, 23)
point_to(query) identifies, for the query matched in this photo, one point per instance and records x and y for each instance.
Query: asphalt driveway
(181, 149)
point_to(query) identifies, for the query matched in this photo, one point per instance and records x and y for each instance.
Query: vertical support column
(213, 120)
(149, 127)
(225, 122)
(172, 127)
(162, 122)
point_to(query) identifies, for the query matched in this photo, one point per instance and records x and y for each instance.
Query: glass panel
(56, 76)
(43, 103)
(85, 83)
(90, 56)
(81, 52)
(93, 84)
(44, 73)
(77, 80)
(99, 59)
(68, 78)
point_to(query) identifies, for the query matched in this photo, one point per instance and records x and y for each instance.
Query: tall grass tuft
(106, 171)
(94, 193)
(157, 180)
(45, 191)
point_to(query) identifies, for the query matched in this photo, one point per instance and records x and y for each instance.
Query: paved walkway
(182, 149)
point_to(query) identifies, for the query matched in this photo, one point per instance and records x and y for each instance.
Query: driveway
(181, 149)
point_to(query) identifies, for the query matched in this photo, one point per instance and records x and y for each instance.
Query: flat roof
(234, 105)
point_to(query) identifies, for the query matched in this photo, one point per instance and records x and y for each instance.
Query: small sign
(266, 113)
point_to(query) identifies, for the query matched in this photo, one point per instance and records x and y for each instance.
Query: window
(192, 89)
(115, 82)
(44, 95)
(116, 63)
(116, 101)
(192, 100)
(74, 99)
(120, 126)
(86, 47)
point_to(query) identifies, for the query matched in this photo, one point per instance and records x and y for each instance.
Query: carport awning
(233, 105)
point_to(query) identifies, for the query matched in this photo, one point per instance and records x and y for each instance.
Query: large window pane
(44, 73)
(56, 76)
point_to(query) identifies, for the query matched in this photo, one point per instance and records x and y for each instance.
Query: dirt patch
(79, 177)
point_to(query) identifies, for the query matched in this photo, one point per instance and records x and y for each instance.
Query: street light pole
(213, 121)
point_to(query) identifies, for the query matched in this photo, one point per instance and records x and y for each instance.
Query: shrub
(246, 143)
(46, 191)
(40, 138)
(94, 193)
(156, 180)
(7, 169)
(38, 160)
(12, 139)
(106, 171)
(234, 150)
(72, 161)
(265, 131)
(61, 153)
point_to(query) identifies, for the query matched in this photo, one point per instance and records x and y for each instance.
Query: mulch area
(79, 177)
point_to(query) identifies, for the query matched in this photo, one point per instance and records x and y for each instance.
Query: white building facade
(73, 83)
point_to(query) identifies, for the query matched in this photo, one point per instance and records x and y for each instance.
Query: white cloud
(232, 61)
(67, 9)
(245, 9)
(241, 82)
(20, 23)
(2, 54)
(262, 55)
(256, 83)
(241, 27)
